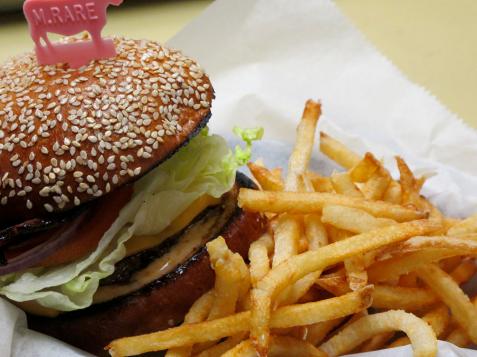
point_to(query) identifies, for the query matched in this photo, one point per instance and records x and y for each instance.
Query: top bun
(68, 136)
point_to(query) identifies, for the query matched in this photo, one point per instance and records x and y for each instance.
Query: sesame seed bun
(68, 136)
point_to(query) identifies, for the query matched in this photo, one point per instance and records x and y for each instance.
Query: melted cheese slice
(139, 243)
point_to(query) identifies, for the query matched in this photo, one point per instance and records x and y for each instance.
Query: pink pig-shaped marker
(69, 17)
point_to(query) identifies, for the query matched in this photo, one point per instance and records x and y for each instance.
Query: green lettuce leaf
(204, 166)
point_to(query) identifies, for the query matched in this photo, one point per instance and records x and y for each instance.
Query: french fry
(377, 342)
(266, 179)
(222, 347)
(434, 213)
(410, 191)
(466, 244)
(316, 333)
(335, 283)
(420, 181)
(464, 271)
(461, 273)
(408, 280)
(319, 183)
(260, 318)
(393, 193)
(289, 316)
(450, 222)
(217, 250)
(294, 292)
(365, 168)
(200, 309)
(338, 152)
(305, 184)
(197, 313)
(286, 236)
(313, 312)
(337, 234)
(352, 319)
(465, 227)
(243, 349)
(353, 219)
(183, 335)
(301, 202)
(412, 254)
(184, 351)
(300, 157)
(390, 269)
(226, 290)
(315, 231)
(232, 282)
(228, 278)
(280, 346)
(459, 338)
(277, 172)
(343, 184)
(245, 283)
(401, 298)
(258, 256)
(450, 264)
(377, 185)
(423, 339)
(298, 266)
(438, 318)
(289, 346)
(450, 293)
(356, 274)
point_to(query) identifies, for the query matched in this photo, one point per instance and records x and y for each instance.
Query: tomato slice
(101, 215)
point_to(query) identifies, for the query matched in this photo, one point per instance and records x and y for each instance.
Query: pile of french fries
(353, 262)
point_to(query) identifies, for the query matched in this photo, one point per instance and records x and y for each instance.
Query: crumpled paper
(265, 58)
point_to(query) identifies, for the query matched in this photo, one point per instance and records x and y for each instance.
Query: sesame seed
(92, 138)
(48, 207)
(83, 186)
(45, 191)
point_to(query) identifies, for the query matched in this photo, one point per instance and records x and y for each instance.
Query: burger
(110, 187)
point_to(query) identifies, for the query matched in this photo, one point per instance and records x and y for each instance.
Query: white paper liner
(265, 58)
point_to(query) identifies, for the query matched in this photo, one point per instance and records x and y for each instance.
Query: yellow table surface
(433, 42)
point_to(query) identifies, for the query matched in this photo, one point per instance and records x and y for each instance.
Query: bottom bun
(158, 305)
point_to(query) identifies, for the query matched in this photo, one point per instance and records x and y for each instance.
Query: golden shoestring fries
(349, 263)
